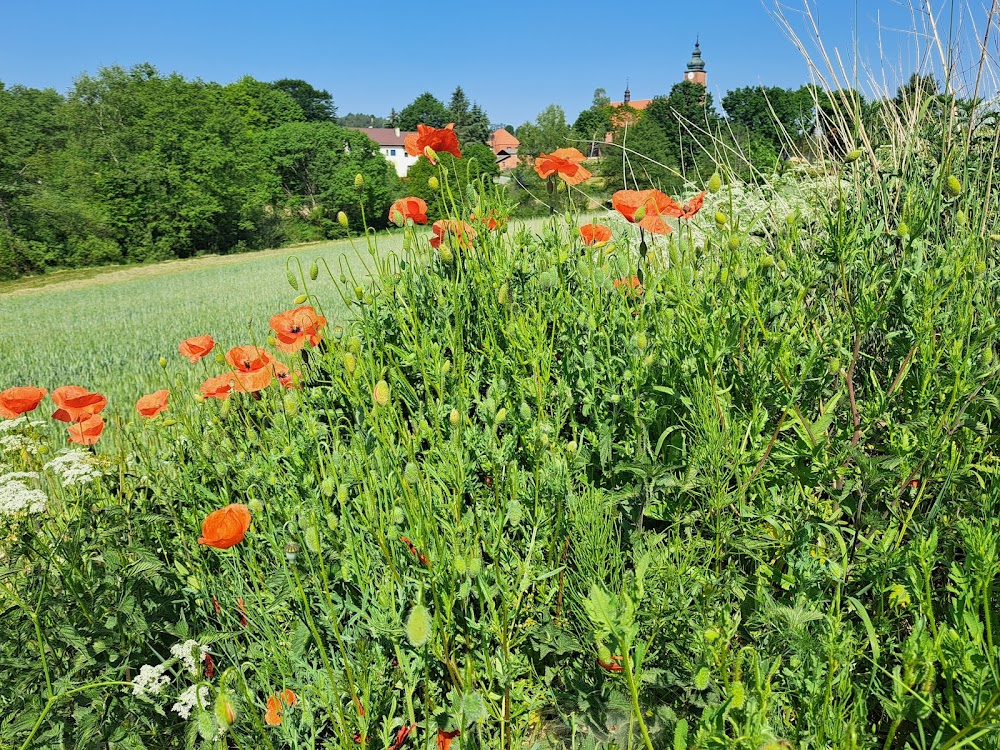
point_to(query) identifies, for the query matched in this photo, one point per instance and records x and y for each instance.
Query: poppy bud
(411, 474)
(737, 694)
(163, 362)
(350, 363)
(225, 711)
(721, 219)
(381, 393)
(503, 295)
(199, 399)
(433, 183)
(454, 418)
(641, 341)
(603, 653)
(430, 154)
(359, 181)
(953, 186)
(714, 183)
(767, 261)
(446, 367)
(292, 281)
(701, 679)
(734, 242)
(419, 625)
(396, 217)
(169, 422)
(501, 414)
(902, 231)
(640, 214)
(314, 271)
(560, 187)
(342, 219)
(853, 156)
(961, 218)
(446, 255)
(291, 551)
(327, 486)
(572, 447)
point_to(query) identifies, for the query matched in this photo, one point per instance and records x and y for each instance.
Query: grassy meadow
(720, 473)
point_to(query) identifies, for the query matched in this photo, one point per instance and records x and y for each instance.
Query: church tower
(695, 72)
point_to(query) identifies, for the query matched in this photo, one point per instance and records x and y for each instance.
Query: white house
(391, 143)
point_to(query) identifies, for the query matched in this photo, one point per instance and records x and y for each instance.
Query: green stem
(634, 690)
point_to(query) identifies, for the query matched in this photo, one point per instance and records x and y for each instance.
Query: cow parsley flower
(191, 653)
(196, 695)
(74, 467)
(150, 680)
(16, 497)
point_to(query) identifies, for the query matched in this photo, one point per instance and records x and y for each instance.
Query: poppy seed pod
(342, 219)
(291, 551)
(380, 394)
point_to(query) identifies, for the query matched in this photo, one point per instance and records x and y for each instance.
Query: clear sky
(514, 58)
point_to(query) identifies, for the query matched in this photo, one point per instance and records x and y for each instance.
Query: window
(392, 152)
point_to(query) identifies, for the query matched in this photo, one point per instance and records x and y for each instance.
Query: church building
(695, 73)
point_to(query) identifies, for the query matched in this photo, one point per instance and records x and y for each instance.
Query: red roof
(385, 136)
(502, 140)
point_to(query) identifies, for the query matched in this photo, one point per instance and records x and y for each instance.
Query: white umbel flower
(150, 680)
(16, 497)
(74, 467)
(196, 695)
(191, 653)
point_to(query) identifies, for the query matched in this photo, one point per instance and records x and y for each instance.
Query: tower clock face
(690, 76)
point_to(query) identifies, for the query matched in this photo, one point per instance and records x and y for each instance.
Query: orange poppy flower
(151, 405)
(218, 387)
(276, 704)
(655, 208)
(595, 234)
(435, 139)
(611, 666)
(490, 222)
(285, 376)
(225, 527)
(459, 230)
(20, 400)
(630, 284)
(76, 404)
(444, 738)
(401, 736)
(293, 328)
(564, 162)
(196, 347)
(693, 206)
(88, 431)
(408, 208)
(253, 368)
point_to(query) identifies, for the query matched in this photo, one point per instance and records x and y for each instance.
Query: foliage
(426, 109)
(547, 133)
(317, 105)
(478, 164)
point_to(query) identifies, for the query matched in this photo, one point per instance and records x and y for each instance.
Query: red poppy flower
(595, 234)
(209, 667)
(401, 736)
(88, 431)
(415, 552)
(76, 404)
(151, 405)
(293, 328)
(564, 162)
(630, 284)
(444, 738)
(693, 206)
(490, 222)
(225, 527)
(408, 208)
(276, 704)
(652, 207)
(285, 376)
(196, 347)
(435, 139)
(458, 230)
(253, 368)
(219, 387)
(20, 400)
(612, 665)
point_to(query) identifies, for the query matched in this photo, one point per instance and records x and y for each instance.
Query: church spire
(696, 66)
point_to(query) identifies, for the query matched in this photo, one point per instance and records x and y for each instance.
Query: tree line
(132, 165)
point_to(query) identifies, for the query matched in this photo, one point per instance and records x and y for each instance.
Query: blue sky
(513, 57)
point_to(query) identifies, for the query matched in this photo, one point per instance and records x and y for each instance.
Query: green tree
(475, 128)
(260, 105)
(779, 117)
(458, 107)
(477, 162)
(546, 134)
(361, 120)
(644, 159)
(690, 124)
(317, 105)
(425, 109)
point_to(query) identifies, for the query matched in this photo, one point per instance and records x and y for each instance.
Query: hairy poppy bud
(411, 474)
(419, 625)
(454, 418)
(721, 219)
(953, 186)
(433, 183)
(640, 214)
(381, 393)
(446, 254)
(734, 242)
(225, 711)
(701, 679)
(314, 270)
(446, 367)
(430, 154)
(359, 181)
(342, 218)
(350, 363)
(300, 299)
(604, 653)
(903, 231)
(571, 447)
(163, 361)
(961, 218)
(326, 486)
(714, 183)
(292, 281)
(853, 156)
(396, 217)
(501, 414)
(503, 295)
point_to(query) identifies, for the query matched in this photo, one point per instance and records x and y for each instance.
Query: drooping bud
(381, 393)
(411, 474)
(300, 299)
(225, 711)
(501, 414)
(447, 256)
(163, 361)
(397, 217)
(342, 218)
(721, 219)
(313, 271)
(350, 363)
(326, 486)
(953, 186)
(454, 418)
(293, 282)
(902, 231)
(640, 214)
(714, 183)
(853, 156)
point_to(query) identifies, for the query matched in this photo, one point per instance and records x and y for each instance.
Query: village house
(391, 143)
(504, 146)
